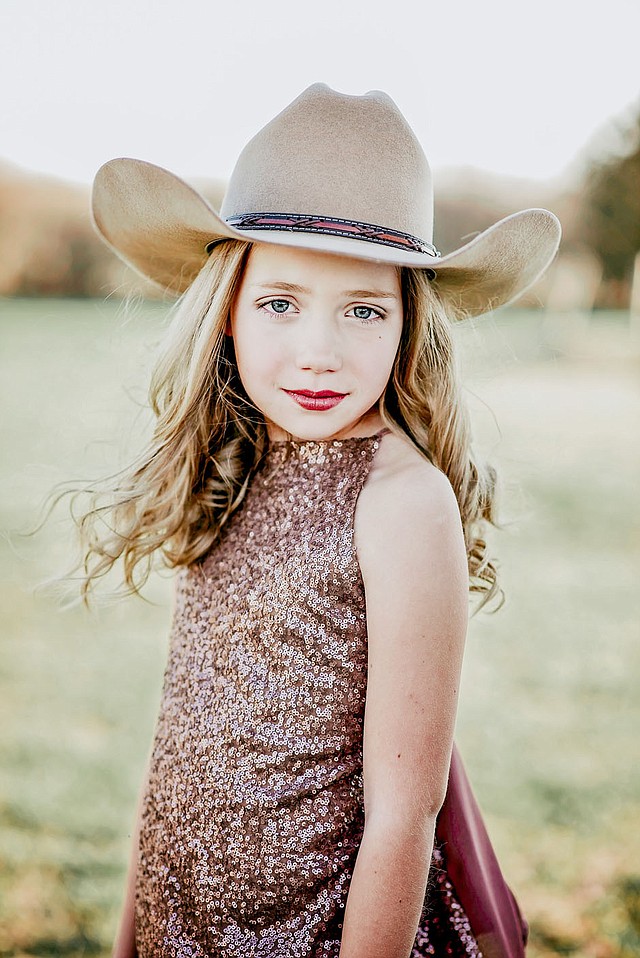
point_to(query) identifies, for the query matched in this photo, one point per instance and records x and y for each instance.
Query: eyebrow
(353, 293)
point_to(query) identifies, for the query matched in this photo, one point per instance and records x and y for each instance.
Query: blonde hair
(208, 438)
(424, 399)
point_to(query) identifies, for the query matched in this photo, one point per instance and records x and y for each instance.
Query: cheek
(256, 354)
(377, 360)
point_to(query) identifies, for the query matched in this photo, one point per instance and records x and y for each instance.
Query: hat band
(331, 226)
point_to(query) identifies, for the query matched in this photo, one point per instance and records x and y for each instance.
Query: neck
(368, 425)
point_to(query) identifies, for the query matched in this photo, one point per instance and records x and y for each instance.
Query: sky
(518, 88)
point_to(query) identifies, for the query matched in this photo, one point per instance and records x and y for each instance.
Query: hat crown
(334, 155)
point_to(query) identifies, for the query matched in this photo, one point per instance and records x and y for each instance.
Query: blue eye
(367, 314)
(278, 305)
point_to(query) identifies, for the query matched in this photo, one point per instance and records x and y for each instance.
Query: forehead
(271, 263)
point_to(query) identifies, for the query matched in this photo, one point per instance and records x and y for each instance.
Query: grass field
(550, 713)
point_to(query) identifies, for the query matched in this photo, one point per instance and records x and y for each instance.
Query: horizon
(519, 94)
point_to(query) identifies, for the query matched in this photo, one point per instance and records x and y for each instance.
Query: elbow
(402, 840)
(415, 814)
(400, 824)
(433, 801)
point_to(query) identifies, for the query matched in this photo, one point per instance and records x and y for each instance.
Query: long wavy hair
(174, 499)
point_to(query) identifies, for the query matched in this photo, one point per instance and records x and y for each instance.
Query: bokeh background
(516, 106)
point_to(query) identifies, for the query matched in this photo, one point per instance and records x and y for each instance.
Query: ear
(227, 328)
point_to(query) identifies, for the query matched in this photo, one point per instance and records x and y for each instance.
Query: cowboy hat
(331, 172)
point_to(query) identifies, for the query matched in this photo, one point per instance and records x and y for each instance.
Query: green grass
(549, 717)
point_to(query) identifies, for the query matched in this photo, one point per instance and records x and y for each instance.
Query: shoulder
(405, 502)
(410, 547)
(408, 531)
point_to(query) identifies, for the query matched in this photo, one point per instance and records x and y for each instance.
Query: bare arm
(414, 566)
(387, 890)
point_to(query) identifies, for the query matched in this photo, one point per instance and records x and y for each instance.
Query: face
(315, 337)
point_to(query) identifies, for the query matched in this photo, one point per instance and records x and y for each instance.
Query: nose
(318, 347)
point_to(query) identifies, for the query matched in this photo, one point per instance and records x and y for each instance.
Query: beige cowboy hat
(335, 173)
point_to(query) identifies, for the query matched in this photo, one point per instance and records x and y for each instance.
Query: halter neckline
(323, 443)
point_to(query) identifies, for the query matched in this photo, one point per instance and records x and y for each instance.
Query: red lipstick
(322, 399)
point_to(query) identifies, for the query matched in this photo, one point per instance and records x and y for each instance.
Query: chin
(315, 425)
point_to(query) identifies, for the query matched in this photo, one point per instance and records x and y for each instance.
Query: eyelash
(377, 317)
(272, 312)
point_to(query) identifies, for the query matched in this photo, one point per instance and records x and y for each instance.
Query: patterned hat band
(331, 226)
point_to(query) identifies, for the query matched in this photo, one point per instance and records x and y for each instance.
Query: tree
(609, 218)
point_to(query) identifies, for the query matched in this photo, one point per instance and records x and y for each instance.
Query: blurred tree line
(609, 219)
(48, 246)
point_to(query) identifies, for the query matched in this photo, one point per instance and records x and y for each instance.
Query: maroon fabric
(472, 866)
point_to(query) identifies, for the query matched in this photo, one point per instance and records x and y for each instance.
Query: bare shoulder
(404, 495)
(411, 551)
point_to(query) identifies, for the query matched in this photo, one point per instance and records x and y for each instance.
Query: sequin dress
(254, 812)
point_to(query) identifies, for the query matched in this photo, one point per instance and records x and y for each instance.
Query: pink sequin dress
(254, 811)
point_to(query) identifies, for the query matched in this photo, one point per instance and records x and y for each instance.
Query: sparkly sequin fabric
(254, 811)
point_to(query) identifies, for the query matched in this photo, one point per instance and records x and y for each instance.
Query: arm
(125, 943)
(414, 567)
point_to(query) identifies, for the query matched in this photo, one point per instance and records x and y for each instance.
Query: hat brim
(163, 228)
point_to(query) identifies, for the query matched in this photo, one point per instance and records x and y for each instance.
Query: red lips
(316, 401)
(321, 393)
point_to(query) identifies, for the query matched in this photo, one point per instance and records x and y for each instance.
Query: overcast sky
(509, 86)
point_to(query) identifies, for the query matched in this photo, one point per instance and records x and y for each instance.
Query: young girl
(311, 478)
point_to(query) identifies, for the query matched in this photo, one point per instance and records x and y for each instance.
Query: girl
(311, 478)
